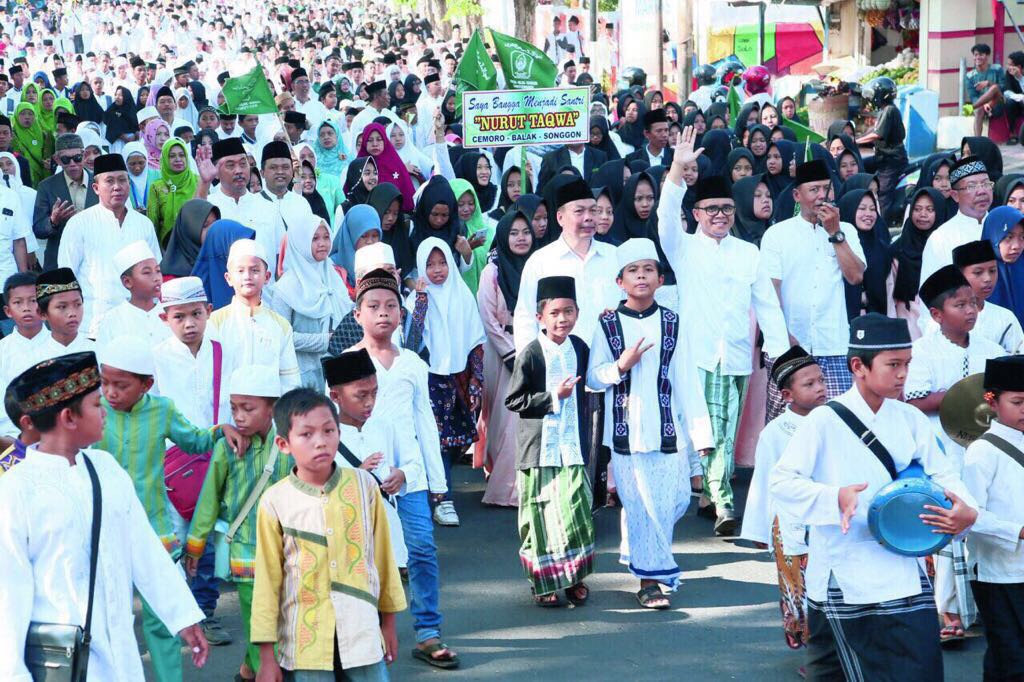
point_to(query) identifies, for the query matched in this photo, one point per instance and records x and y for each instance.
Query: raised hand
(632, 355)
(684, 151)
(848, 504)
(204, 162)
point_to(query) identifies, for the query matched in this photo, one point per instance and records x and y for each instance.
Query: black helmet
(705, 74)
(720, 94)
(879, 91)
(729, 72)
(632, 76)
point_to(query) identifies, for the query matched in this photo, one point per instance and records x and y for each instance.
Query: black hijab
(734, 157)
(610, 175)
(628, 225)
(509, 265)
(485, 194)
(436, 191)
(504, 200)
(787, 133)
(528, 204)
(779, 181)
(855, 182)
(759, 161)
(355, 190)
(606, 145)
(186, 237)
(449, 116)
(89, 109)
(739, 126)
(1004, 188)
(120, 119)
(380, 198)
(608, 237)
(690, 198)
(717, 147)
(849, 147)
(315, 201)
(690, 120)
(929, 168)
(631, 133)
(988, 152)
(877, 255)
(747, 226)
(835, 129)
(909, 247)
(411, 81)
(674, 106)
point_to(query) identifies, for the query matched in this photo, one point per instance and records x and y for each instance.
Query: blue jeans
(424, 576)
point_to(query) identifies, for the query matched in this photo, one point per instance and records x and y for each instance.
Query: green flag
(475, 71)
(802, 132)
(248, 94)
(734, 105)
(525, 67)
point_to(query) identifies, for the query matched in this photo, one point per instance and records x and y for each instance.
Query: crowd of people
(252, 348)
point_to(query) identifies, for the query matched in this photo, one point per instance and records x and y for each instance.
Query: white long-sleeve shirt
(256, 337)
(813, 290)
(188, 380)
(126, 319)
(45, 533)
(721, 282)
(643, 414)
(995, 480)
(995, 323)
(15, 351)
(938, 250)
(596, 289)
(825, 455)
(87, 246)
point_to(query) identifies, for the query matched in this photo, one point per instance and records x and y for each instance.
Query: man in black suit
(656, 151)
(1013, 94)
(61, 196)
(582, 157)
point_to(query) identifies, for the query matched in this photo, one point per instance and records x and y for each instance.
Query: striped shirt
(226, 488)
(137, 438)
(324, 571)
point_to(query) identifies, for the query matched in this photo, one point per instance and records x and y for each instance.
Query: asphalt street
(724, 623)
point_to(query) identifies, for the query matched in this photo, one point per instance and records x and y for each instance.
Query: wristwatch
(837, 238)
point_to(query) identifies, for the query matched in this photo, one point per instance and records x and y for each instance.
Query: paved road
(724, 624)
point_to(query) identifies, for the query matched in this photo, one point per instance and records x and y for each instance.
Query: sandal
(578, 593)
(651, 597)
(951, 633)
(447, 662)
(548, 600)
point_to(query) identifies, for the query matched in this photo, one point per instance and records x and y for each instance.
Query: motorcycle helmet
(705, 74)
(757, 79)
(879, 91)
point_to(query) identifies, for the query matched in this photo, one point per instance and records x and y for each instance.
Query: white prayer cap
(130, 255)
(258, 380)
(632, 250)
(248, 247)
(373, 256)
(128, 353)
(182, 290)
(146, 113)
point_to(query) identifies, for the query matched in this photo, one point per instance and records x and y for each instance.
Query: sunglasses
(65, 160)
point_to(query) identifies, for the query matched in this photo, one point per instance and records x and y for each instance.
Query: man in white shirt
(656, 151)
(305, 102)
(287, 207)
(720, 276)
(94, 235)
(378, 105)
(808, 259)
(554, 43)
(429, 101)
(871, 611)
(13, 96)
(972, 190)
(167, 107)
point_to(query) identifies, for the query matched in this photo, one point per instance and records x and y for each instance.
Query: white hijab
(409, 153)
(313, 289)
(27, 194)
(452, 327)
(139, 182)
(189, 114)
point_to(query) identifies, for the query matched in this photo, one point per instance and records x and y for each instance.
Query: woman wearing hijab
(140, 176)
(696, 120)
(778, 166)
(477, 228)
(311, 295)
(600, 137)
(331, 155)
(859, 208)
(673, 111)
(416, 162)
(499, 291)
(935, 173)
(154, 136)
(1004, 229)
(390, 167)
(86, 106)
(749, 116)
(691, 174)
(927, 212)
(30, 141)
(47, 113)
(987, 151)
(361, 227)
(120, 120)
(212, 262)
(1008, 191)
(754, 208)
(413, 88)
(857, 181)
(758, 139)
(316, 200)
(630, 124)
(360, 178)
(636, 217)
(738, 165)
(717, 146)
(511, 189)
(613, 175)
(534, 208)
(437, 215)
(386, 200)
(187, 237)
(476, 169)
(186, 109)
(841, 127)
(177, 184)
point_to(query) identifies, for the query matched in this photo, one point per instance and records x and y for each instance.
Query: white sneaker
(444, 514)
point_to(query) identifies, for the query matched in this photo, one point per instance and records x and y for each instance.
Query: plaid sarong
(555, 526)
(838, 381)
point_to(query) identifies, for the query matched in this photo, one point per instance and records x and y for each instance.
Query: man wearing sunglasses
(719, 283)
(62, 195)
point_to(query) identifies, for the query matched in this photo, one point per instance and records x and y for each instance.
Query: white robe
(45, 535)
(128, 320)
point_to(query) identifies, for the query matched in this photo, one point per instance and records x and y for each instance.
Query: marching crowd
(252, 348)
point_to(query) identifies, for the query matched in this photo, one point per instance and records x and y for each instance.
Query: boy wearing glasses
(721, 272)
(809, 260)
(61, 196)
(972, 189)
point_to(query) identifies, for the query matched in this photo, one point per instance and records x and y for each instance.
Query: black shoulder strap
(351, 458)
(97, 511)
(865, 435)
(1011, 450)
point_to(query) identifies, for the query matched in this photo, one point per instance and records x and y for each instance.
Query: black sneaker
(215, 633)
(725, 524)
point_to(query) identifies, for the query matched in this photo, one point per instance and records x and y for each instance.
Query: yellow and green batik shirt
(228, 483)
(324, 569)
(137, 440)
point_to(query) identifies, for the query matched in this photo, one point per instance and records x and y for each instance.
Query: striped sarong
(838, 381)
(555, 526)
(724, 396)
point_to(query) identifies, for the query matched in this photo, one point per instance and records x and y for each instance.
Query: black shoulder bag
(865, 435)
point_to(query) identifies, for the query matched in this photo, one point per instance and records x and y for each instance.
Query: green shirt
(137, 440)
(228, 483)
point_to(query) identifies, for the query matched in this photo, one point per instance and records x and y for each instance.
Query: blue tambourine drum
(894, 511)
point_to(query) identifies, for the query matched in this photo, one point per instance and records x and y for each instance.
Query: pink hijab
(149, 139)
(390, 167)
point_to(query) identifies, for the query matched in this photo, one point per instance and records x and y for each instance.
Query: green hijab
(47, 119)
(174, 188)
(24, 93)
(475, 223)
(30, 142)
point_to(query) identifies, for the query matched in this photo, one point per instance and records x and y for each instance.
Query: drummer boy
(994, 474)
(871, 612)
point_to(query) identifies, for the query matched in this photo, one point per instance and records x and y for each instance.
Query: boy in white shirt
(20, 305)
(977, 262)
(140, 314)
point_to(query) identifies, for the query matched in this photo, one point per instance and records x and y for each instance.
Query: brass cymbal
(964, 414)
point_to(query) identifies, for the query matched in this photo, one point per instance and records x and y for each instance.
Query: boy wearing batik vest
(994, 473)
(656, 420)
(555, 523)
